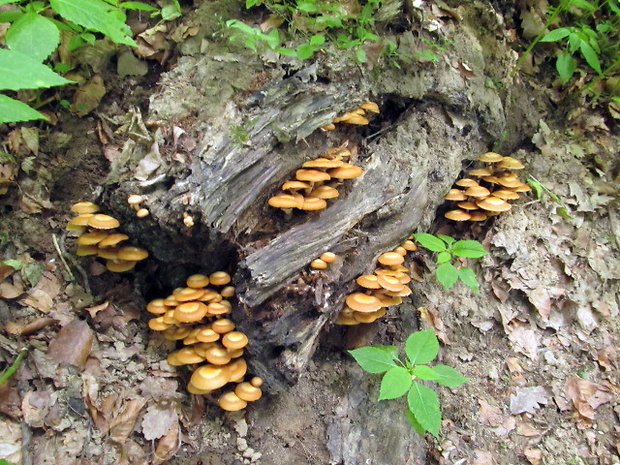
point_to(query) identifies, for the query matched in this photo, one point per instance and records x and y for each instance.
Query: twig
(62, 257)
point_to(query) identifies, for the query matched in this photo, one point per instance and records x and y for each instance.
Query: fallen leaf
(513, 365)
(528, 399)
(168, 445)
(431, 316)
(122, 424)
(72, 344)
(484, 457)
(586, 396)
(525, 340)
(158, 419)
(488, 414)
(527, 430)
(534, 456)
(88, 96)
(506, 426)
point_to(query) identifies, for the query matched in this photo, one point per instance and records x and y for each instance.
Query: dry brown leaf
(484, 457)
(9, 291)
(534, 456)
(272, 22)
(525, 340)
(72, 344)
(513, 365)
(88, 96)
(35, 407)
(528, 399)
(586, 396)
(168, 445)
(488, 414)
(10, 400)
(41, 296)
(506, 426)
(122, 424)
(158, 419)
(528, 430)
(433, 319)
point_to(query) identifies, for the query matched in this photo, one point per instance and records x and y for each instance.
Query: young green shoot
(447, 249)
(406, 377)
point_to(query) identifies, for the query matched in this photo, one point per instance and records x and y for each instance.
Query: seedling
(447, 248)
(540, 191)
(402, 377)
(6, 374)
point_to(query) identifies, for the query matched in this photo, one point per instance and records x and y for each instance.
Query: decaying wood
(284, 307)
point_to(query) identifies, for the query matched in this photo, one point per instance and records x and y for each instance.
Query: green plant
(447, 248)
(400, 377)
(592, 34)
(540, 190)
(313, 21)
(6, 374)
(35, 33)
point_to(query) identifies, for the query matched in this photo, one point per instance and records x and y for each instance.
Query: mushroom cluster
(98, 237)
(135, 202)
(316, 182)
(385, 287)
(357, 116)
(323, 261)
(486, 190)
(196, 316)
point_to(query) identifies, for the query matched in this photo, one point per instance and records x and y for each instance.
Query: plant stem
(6, 374)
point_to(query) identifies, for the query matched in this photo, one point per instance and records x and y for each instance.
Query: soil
(538, 341)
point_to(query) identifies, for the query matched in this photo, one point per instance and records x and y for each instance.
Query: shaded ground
(538, 342)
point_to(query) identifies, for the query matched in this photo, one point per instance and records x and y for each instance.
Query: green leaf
(4, 2)
(33, 35)
(2, 461)
(272, 39)
(171, 11)
(14, 111)
(591, 57)
(447, 275)
(536, 187)
(305, 51)
(15, 264)
(307, 6)
(430, 242)
(413, 422)
(96, 15)
(395, 383)
(424, 372)
(469, 249)
(468, 276)
(375, 359)
(424, 404)
(421, 347)
(448, 376)
(286, 52)
(316, 40)
(18, 71)
(447, 239)
(138, 6)
(360, 55)
(443, 257)
(564, 213)
(556, 35)
(565, 66)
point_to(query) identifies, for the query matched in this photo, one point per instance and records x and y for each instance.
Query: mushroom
(101, 221)
(219, 278)
(190, 312)
(295, 185)
(142, 213)
(313, 203)
(210, 377)
(284, 201)
(456, 195)
(328, 257)
(369, 281)
(457, 215)
(85, 207)
(510, 163)
(248, 392)
(230, 402)
(361, 302)
(119, 266)
(479, 172)
(324, 192)
(325, 163)
(234, 340)
(477, 191)
(132, 253)
(318, 264)
(390, 258)
(490, 157)
(346, 171)
(494, 204)
(312, 175)
(466, 182)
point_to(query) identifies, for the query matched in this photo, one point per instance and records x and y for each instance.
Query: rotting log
(283, 307)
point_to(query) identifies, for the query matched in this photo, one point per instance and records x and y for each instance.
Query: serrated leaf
(443, 257)
(375, 359)
(424, 404)
(14, 111)
(447, 275)
(33, 35)
(395, 383)
(413, 422)
(448, 376)
(18, 71)
(432, 243)
(467, 275)
(421, 347)
(556, 35)
(468, 249)
(424, 372)
(96, 15)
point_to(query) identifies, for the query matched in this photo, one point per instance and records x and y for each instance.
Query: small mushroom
(197, 281)
(312, 175)
(371, 107)
(119, 266)
(142, 213)
(113, 239)
(313, 203)
(132, 253)
(100, 221)
(324, 192)
(457, 215)
(190, 312)
(466, 182)
(210, 377)
(455, 195)
(494, 204)
(187, 294)
(490, 157)
(390, 258)
(234, 340)
(361, 302)
(85, 207)
(368, 281)
(295, 185)
(135, 199)
(328, 257)
(318, 264)
(346, 171)
(222, 326)
(248, 391)
(477, 191)
(230, 402)
(219, 278)
(479, 172)
(510, 163)
(283, 201)
(324, 163)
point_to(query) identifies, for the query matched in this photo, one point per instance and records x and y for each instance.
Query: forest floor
(539, 342)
